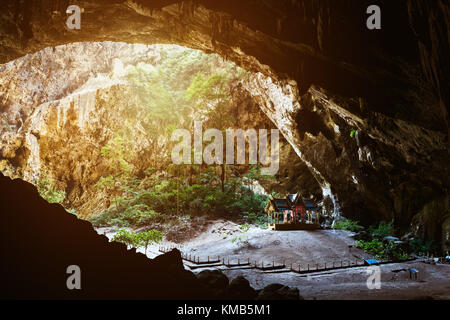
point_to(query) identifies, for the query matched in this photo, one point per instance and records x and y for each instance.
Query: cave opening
(98, 139)
(362, 134)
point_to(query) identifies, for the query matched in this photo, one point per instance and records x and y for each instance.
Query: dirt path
(225, 239)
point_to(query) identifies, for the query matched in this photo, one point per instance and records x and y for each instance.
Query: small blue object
(371, 262)
(413, 273)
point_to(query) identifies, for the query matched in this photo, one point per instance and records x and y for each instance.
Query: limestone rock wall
(61, 106)
(390, 85)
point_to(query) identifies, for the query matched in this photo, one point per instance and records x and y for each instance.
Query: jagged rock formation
(293, 174)
(322, 74)
(35, 267)
(40, 248)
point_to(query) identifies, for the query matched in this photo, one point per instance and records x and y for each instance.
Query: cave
(362, 116)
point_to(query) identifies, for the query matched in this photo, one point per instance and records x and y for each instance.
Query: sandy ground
(224, 239)
(433, 282)
(260, 245)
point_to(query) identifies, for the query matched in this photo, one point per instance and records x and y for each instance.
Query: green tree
(137, 240)
(126, 237)
(118, 153)
(211, 98)
(48, 192)
(119, 156)
(149, 237)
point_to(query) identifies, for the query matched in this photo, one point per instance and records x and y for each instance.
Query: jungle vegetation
(186, 86)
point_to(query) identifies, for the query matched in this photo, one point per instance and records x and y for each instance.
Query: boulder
(391, 239)
(215, 280)
(240, 289)
(362, 235)
(171, 260)
(326, 223)
(407, 237)
(254, 244)
(278, 291)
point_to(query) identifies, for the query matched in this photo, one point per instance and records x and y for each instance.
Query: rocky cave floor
(224, 239)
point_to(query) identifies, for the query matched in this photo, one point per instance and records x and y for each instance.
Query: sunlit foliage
(48, 191)
(138, 240)
(185, 86)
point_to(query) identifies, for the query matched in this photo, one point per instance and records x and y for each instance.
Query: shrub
(373, 246)
(421, 246)
(383, 230)
(130, 216)
(241, 238)
(257, 219)
(101, 219)
(383, 250)
(72, 211)
(49, 193)
(348, 225)
(140, 215)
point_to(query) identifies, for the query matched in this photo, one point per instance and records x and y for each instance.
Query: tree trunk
(223, 176)
(178, 197)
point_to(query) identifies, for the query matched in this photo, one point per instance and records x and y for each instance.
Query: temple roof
(291, 201)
